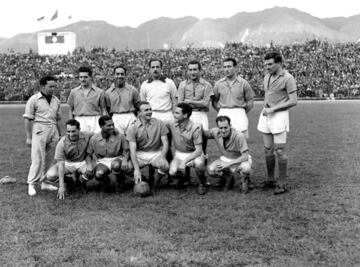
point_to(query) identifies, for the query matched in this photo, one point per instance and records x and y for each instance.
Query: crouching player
(234, 149)
(187, 141)
(149, 144)
(71, 157)
(110, 150)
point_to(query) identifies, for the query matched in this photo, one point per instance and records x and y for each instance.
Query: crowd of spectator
(320, 68)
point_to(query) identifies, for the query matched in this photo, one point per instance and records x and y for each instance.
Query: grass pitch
(316, 223)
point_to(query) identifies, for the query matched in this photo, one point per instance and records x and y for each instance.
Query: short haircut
(274, 55)
(185, 108)
(86, 69)
(223, 118)
(73, 122)
(195, 62)
(119, 67)
(43, 81)
(233, 60)
(103, 119)
(142, 103)
(154, 60)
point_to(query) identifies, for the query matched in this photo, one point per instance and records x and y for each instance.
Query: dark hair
(195, 62)
(275, 55)
(223, 118)
(104, 119)
(155, 59)
(86, 69)
(233, 60)
(185, 108)
(142, 103)
(73, 122)
(119, 67)
(43, 81)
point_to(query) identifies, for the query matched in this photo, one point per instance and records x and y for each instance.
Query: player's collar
(162, 79)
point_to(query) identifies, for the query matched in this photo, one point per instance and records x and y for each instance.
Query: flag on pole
(41, 18)
(55, 15)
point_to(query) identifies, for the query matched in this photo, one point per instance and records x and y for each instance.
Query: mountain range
(280, 25)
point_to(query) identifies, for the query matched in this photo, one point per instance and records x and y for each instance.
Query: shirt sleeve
(216, 91)
(197, 136)
(248, 92)
(208, 93)
(59, 151)
(102, 100)
(241, 143)
(180, 92)
(130, 134)
(136, 98)
(143, 92)
(173, 93)
(290, 85)
(30, 109)
(70, 100)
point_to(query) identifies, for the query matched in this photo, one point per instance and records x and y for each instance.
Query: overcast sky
(19, 16)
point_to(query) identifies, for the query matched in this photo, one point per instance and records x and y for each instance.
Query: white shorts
(200, 117)
(163, 115)
(275, 123)
(107, 161)
(182, 156)
(246, 165)
(122, 121)
(147, 157)
(71, 167)
(89, 123)
(238, 118)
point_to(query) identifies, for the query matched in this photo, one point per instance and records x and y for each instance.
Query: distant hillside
(279, 25)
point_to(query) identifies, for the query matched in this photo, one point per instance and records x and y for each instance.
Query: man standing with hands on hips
(280, 96)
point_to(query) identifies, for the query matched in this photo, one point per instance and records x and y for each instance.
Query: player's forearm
(198, 103)
(134, 160)
(61, 167)
(28, 128)
(242, 158)
(197, 153)
(165, 146)
(249, 105)
(126, 155)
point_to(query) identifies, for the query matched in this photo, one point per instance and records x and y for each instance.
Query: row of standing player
(231, 96)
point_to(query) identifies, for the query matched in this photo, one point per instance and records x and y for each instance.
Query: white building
(56, 43)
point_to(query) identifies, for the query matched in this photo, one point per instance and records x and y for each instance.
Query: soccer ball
(142, 189)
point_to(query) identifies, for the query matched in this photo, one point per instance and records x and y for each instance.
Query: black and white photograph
(179, 133)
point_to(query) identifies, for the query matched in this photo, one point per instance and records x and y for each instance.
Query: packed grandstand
(320, 68)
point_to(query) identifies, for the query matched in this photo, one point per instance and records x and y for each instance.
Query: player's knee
(199, 164)
(164, 166)
(173, 169)
(281, 153)
(211, 170)
(51, 174)
(100, 173)
(269, 151)
(116, 166)
(245, 167)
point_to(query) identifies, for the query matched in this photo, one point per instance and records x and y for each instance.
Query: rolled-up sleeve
(30, 109)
